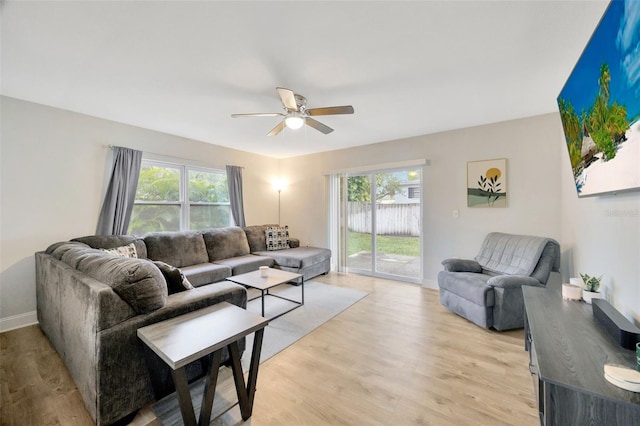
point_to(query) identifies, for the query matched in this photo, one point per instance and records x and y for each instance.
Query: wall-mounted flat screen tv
(600, 105)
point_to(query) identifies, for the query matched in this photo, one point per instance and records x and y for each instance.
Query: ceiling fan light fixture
(294, 121)
(296, 114)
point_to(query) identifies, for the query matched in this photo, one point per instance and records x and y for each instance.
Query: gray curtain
(234, 181)
(121, 193)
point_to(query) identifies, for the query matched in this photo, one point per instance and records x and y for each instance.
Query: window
(208, 199)
(414, 192)
(174, 197)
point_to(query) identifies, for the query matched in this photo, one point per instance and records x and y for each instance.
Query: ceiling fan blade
(280, 127)
(318, 125)
(346, 109)
(288, 98)
(258, 114)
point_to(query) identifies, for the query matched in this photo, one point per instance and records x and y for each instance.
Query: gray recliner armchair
(487, 291)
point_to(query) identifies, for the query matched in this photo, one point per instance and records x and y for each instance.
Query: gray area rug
(322, 302)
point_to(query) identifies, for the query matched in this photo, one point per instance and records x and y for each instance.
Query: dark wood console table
(568, 349)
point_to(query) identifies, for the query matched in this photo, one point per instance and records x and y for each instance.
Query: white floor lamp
(279, 191)
(279, 185)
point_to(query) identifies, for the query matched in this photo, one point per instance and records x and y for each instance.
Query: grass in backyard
(406, 246)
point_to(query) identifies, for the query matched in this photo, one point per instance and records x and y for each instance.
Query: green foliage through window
(161, 204)
(359, 187)
(157, 183)
(208, 187)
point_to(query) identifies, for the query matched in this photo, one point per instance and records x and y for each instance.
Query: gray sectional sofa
(91, 302)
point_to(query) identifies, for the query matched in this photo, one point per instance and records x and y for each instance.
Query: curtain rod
(161, 155)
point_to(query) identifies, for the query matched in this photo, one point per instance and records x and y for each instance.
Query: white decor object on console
(571, 291)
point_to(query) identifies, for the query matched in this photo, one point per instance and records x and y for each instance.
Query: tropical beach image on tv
(600, 105)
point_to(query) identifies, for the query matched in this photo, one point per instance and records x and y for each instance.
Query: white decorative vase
(576, 281)
(588, 295)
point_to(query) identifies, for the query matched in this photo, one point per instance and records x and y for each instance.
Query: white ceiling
(408, 68)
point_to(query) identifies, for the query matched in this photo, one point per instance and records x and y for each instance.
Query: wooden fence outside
(391, 219)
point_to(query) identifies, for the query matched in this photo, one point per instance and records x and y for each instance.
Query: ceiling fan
(296, 113)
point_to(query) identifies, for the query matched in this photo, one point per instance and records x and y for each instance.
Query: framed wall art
(487, 183)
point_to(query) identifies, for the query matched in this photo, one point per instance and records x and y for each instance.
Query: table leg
(246, 393)
(210, 388)
(252, 380)
(184, 397)
(262, 298)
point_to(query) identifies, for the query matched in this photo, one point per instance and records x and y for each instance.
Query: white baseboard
(429, 283)
(18, 321)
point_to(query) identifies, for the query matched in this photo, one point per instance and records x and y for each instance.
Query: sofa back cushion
(176, 248)
(137, 281)
(225, 243)
(113, 241)
(513, 254)
(256, 237)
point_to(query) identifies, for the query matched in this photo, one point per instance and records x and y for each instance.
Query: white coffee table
(186, 338)
(274, 278)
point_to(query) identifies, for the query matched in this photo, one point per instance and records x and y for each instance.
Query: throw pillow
(277, 238)
(176, 281)
(124, 251)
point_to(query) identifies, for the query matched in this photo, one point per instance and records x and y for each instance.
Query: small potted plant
(591, 286)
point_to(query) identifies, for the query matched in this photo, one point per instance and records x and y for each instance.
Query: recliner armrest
(461, 265)
(512, 281)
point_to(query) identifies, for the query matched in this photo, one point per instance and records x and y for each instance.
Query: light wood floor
(397, 357)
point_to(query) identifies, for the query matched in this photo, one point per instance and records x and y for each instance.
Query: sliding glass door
(381, 216)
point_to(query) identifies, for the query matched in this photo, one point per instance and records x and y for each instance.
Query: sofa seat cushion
(243, 264)
(224, 243)
(468, 285)
(177, 248)
(205, 273)
(299, 257)
(137, 281)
